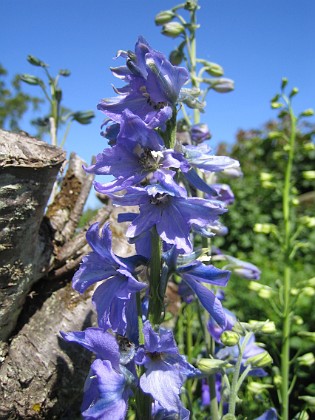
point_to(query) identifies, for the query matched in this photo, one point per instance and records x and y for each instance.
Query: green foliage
(14, 103)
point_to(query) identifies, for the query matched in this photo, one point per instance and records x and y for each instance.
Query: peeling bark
(28, 169)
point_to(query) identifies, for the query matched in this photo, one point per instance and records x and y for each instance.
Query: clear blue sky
(257, 43)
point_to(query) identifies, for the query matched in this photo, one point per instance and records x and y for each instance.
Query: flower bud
(308, 147)
(265, 176)
(276, 105)
(309, 175)
(284, 82)
(274, 135)
(307, 113)
(257, 388)
(222, 85)
(308, 335)
(268, 185)
(191, 5)
(264, 228)
(277, 380)
(298, 320)
(307, 359)
(199, 133)
(259, 360)
(176, 57)
(214, 69)
(83, 117)
(31, 80)
(164, 17)
(268, 327)
(173, 29)
(211, 366)
(294, 92)
(36, 61)
(64, 72)
(265, 292)
(308, 291)
(229, 338)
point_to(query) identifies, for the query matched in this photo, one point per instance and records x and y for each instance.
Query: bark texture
(28, 169)
(41, 376)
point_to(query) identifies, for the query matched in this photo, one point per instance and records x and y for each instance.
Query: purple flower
(106, 393)
(194, 273)
(216, 330)
(107, 387)
(111, 297)
(224, 192)
(137, 155)
(168, 208)
(200, 133)
(270, 414)
(242, 268)
(200, 157)
(166, 369)
(153, 86)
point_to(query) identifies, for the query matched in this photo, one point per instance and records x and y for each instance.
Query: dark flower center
(159, 199)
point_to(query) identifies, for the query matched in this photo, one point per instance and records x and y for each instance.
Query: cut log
(28, 169)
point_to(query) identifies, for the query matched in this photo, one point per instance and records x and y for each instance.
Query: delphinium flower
(193, 273)
(165, 369)
(167, 207)
(153, 86)
(109, 383)
(113, 295)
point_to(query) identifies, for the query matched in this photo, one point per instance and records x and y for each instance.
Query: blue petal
(208, 300)
(102, 343)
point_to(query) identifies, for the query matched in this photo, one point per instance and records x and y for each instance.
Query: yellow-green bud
(258, 387)
(284, 82)
(268, 327)
(164, 17)
(294, 92)
(264, 228)
(255, 286)
(277, 380)
(309, 335)
(294, 291)
(307, 113)
(260, 360)
(211, 366)
(309, 222)
(307, 359)
(298, 320)
(308, 399)
(229, 338)
(308, 291)
(309, 175)
(268, 185)
(265, 176)
(214, 70)
(276, 105)
(274, 134)
(309, 146)
(173, 29)
(265, 292)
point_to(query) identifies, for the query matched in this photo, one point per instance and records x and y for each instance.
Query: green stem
(156, 303)
(286, 328)
(140, 323)
(236, 374)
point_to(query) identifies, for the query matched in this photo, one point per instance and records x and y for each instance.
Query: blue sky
(257, 43)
